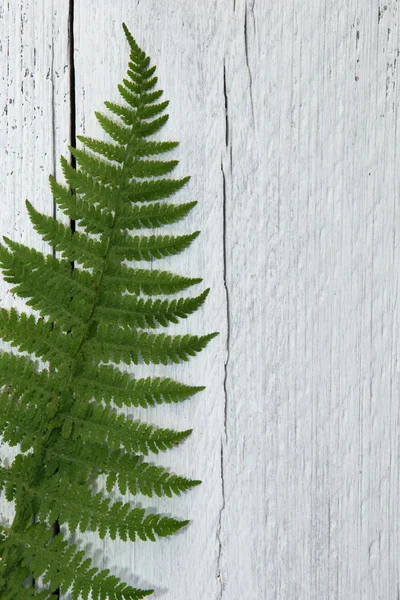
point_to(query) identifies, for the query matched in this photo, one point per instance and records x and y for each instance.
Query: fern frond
(137, 54)
(144, 478)
(153, 168)
(97, 220)
(81, 183)
(56, 272)
(141, 83)
(130, 117)
(127, 115)
(89, 309)
(140, 70)
(135, 101)
(17, 425)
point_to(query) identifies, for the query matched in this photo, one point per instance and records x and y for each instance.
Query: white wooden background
(287, 114)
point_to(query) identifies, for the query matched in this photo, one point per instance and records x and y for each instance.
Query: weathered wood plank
(34, 127)
(176, 38)
(311, 473)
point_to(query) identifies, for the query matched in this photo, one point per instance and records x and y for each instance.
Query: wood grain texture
(287, 115)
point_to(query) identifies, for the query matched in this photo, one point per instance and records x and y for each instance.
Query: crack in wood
(246, 51)
(219, 529)
(53, 125)
(226, 108)
(72, 132)
(72, 92)
(225, 437)
(226, 297)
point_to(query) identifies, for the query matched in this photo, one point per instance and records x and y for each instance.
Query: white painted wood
(297, 436)
(34, 126)
(311, 471)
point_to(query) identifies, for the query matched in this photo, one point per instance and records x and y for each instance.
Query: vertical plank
(34, 128)
(185, 41)
(311, 474)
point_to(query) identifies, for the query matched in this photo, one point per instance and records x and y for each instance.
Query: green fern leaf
(152, 215)
(72, 245)
(40, 280)
(126, 247)
(109, 384)
(99, 424)
(91, 217)
(39, 337)
(119, 133)
(124, 345)
(78, 507)
(64, 567)
(110, 151)
(149, 148)
(127, 471)
(147, 191)
(137, 312)
(153, 168)
(151, 283)
(90, 308)
(147, 98)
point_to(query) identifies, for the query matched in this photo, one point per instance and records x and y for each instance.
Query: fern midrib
(73, 363)
(105, 264)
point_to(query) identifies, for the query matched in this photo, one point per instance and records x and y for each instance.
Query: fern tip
(211, 336)
(184, 523)
(185, 434)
